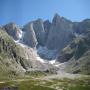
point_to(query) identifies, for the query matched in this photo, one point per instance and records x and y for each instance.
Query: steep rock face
(34, 33)
(39, 31)
(60, 33)
(76, 54)
(76, 48)
(46, 53)
(13, 30)
(47, 25)
(29, 36)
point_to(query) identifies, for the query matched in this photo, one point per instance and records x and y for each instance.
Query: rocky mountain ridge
(40, 41)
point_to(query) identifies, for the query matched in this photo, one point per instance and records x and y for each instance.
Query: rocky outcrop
(13, 30)
(39, 31)
(60, 33)
(34, 33)
(82, 27)
(29, 37)
(47, 26)
(76, 54)
(10, 56)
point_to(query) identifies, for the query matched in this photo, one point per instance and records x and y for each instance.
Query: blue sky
(23, 11)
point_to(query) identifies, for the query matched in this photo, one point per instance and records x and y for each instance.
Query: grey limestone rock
(13, 30)
(29, 36)
(60, 33)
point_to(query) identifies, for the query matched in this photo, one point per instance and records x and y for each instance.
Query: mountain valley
(43, 48)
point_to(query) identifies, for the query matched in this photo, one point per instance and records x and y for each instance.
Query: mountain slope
(77, 54)
(16, 58)
(9, 56)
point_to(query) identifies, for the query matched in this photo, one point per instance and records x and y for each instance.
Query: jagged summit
(56, 16)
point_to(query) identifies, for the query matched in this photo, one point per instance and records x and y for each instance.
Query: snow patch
(58, 65)
(52, 61)
(40, 59)
(16, 41)
(20, 40)
(20, 34)
(79, 35)
(61, 65)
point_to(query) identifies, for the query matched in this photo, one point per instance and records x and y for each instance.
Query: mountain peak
(56, 15)
(56, 18)
(13, 30)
